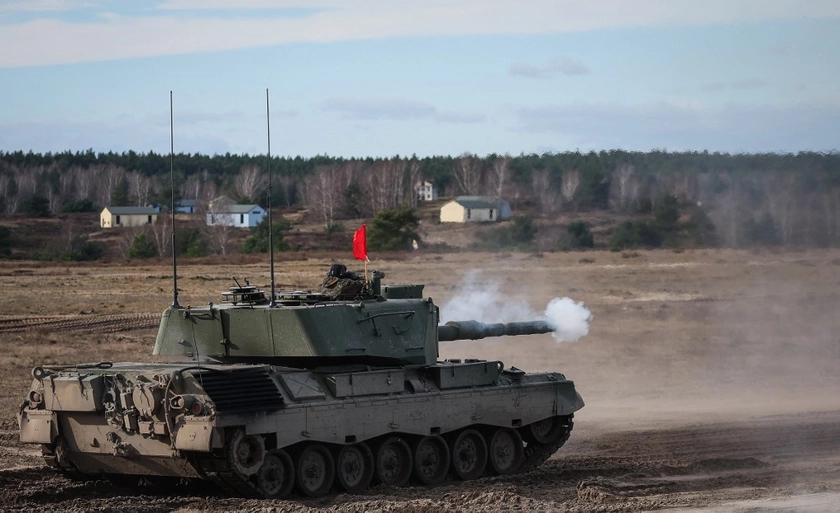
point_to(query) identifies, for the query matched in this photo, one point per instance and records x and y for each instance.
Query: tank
(301, 392)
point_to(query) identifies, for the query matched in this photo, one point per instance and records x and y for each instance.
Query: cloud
(379, 108)
(460, 117)
(732, 128)
(564, 66)
(127, 34)
(42, 6)
(739, 85)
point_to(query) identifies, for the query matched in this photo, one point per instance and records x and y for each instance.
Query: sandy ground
(710, 377)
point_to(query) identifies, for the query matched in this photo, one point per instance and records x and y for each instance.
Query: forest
(730, 200)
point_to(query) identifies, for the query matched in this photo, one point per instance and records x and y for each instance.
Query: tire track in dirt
(105, 323)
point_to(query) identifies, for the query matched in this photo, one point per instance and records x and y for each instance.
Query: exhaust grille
(241, 390)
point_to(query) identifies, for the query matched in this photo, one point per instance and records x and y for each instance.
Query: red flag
(360, 244)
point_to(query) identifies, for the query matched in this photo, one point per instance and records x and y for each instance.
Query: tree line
(740, 199)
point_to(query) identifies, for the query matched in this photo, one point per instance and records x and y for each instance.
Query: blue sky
(424, 77)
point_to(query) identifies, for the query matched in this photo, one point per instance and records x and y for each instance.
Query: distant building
(239, 216)
(112, 217)
(468, 209)
(426, 191)
(186, 206)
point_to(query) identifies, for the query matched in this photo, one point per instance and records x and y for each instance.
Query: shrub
(581, 235)
(141, 247)
(257, 242)
(393, 229)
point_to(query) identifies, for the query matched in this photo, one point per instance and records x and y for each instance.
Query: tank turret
(346, 321)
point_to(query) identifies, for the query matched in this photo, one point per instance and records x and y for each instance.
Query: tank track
(234, 484)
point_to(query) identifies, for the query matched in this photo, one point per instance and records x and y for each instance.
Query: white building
(239, 216)
(468, 209)
(426, 191)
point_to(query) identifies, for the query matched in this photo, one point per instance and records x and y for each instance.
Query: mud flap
(38, 426)
(195, 436)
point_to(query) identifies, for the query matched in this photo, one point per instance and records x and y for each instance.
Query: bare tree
(107, 178)
(85, 182)
(549, 197)
(141, 188)
(219, 235)
(624, 187)
(467, 171)
(386, 184)
(250, 182)
(570, 184)
(322, 192)
(161, 231)
(781, 201)
(500, 171)
(9, 195)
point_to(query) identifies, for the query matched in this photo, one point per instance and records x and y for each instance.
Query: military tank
(303, 392)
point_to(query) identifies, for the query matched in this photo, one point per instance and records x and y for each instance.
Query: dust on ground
(709, 376)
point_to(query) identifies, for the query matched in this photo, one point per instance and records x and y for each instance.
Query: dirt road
(710, 378)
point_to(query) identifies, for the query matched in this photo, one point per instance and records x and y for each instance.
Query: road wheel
(431, 460)
(276, 477)
(544, 432)
(354, 467)
(393, 462)
(469, 455)
(315, 470)
(245, 452)
(506, 452)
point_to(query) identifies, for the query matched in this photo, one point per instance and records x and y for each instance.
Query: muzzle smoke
(484, 301)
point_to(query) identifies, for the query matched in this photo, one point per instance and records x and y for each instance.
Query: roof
(236, 209)
(186, 203)
(126, 211)
(479, 201)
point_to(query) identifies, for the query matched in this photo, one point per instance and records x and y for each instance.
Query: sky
(379, 78)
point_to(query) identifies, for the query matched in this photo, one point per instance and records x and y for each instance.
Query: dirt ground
(711, 376)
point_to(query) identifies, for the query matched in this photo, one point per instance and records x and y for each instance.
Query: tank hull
(233, 423)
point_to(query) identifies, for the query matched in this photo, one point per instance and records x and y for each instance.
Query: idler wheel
(506, 451)
(354, 467)
(315, 470)
(431, 460)
(393, 462)
(544, 432)
(276, 476)
(469, 455)
(246, 453)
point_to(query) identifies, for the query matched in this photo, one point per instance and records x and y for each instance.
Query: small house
(426, 191)
(468, 209)
(238, 216)
(112, 217)
(186, 206)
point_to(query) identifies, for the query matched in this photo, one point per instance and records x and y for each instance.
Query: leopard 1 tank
(303, 392)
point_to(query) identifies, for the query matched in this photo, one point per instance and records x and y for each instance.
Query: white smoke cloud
(484, 301)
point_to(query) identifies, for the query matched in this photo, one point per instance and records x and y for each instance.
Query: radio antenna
(271, 303)
(172, 204)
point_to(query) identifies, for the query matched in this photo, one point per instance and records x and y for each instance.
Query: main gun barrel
(473, 330)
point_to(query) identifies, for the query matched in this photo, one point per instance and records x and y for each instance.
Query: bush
(635, 234)
(5, 241)
(393, 229)
(257, 242)
(519, 236)
(141, 247)
(84, 205)
(35, 206)
(191, 243)
(581, 235)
